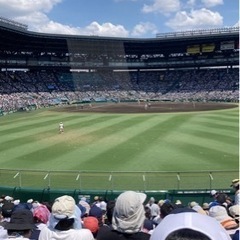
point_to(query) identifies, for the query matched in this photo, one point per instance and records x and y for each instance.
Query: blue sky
(121, 18)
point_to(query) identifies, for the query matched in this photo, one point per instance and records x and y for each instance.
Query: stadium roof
(14, 37)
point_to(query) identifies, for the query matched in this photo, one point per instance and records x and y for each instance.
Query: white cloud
(31, 12)
(212, 3)
(162, 6)
(55, 27)
(33, 19)
(15, 8)
(143, 28)
(34, 14)
(196, 19)
(106, 29)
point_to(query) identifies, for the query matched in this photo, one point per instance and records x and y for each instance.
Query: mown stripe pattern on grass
(121, 142)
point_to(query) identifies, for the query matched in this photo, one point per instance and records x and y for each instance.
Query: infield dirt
(153, 107)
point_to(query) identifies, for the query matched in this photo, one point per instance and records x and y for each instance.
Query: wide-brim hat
(188, 220)
(21, 220)
(63, 207)
(235, 182)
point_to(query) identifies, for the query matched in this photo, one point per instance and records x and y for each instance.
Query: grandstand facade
(20, 48)
(189, 66)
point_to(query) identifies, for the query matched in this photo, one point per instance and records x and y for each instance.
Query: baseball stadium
(158, 115)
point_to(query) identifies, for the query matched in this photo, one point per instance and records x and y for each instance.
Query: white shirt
(237, 198)
(72, 234)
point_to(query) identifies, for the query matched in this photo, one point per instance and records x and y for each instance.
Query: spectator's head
(18, 206)
(235, 184)
(82, 209)
(41, 214)
(65, 214)
(84, 203)
(160, 202)
(91, 223)
(152, 200)
(97, 212)
(234, 212)
(147, 226)
(109, 213)
(8, 198)
(103, 206)
(221, 215)
(195, 206)
(129, 213)
(148, 214)
(21, 222)
(222, 198)
(178, 203)
(166, 209)
(213, 193)
(7, 209)
(96, 199)
(205, 206)
(189, 226)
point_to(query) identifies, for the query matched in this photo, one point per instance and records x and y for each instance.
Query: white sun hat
(189, 220)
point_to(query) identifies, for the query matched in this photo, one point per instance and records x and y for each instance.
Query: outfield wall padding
(48, 195)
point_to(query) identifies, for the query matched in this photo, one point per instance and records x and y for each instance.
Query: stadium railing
(117, 180)
(47, 185)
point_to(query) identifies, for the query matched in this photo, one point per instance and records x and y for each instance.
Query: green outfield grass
(120, 142)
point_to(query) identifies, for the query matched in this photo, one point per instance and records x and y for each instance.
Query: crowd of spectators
(21, 90)
(130, 216)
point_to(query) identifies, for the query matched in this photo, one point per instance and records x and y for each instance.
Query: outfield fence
(116, 180)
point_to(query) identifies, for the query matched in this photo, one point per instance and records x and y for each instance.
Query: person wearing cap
(189, 226)
(99, 214)
(155, 209)
(21, 224)
(65, 222)
(148, 226)
(234, 213)
(195, 206)
(7, 209)
(41, 215)
(214, 195)
(205, 207)
(91, 223)
(83, 202)
(221, 215)
(235, 186)
(96, 201)
(128, 218)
